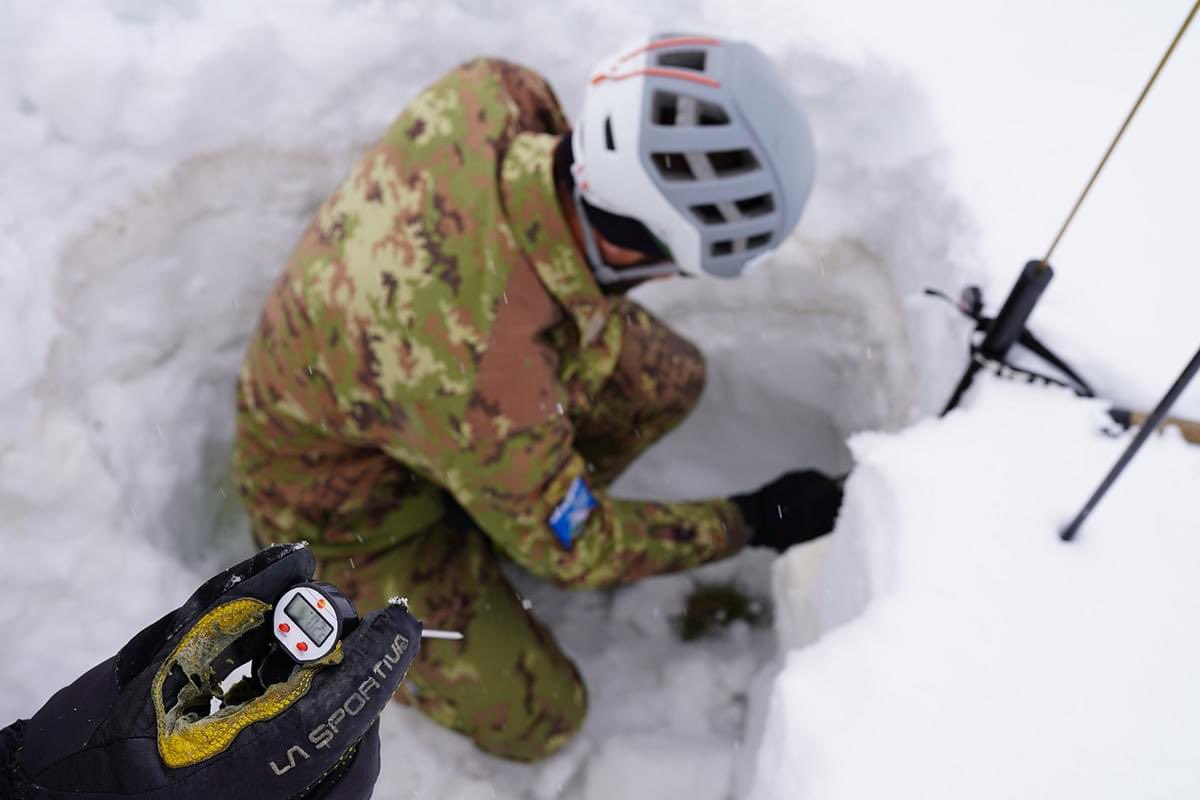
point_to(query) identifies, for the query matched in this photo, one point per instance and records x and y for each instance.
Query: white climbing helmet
(700, 140)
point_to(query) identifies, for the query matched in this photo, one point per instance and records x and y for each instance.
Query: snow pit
(160, 161)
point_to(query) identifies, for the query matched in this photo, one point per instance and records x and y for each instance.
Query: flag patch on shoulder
(569, 516)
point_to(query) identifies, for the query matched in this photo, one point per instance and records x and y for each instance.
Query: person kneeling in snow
(448, 371)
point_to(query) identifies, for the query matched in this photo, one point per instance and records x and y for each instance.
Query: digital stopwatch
(310, 619)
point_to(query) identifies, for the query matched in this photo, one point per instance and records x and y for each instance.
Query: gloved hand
(139, 725)
(794, 508)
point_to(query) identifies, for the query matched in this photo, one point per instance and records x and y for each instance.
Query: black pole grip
(1009, 324)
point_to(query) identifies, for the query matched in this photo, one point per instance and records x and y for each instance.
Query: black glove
(139, 726)
(794, 508)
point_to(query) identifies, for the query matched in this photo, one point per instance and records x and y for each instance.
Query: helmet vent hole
(712, 115)
(732, 162)
(760, 240)
(608, 137)
(708, 214)
(666, 111)
(672, 166)
(723, 248)
(758, 206)
(683, 59)
(666, 108)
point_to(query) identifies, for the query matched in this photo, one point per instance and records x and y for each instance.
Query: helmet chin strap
(604, 273)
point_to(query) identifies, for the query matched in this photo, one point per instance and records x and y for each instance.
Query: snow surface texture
(995, 661)
(158, 161)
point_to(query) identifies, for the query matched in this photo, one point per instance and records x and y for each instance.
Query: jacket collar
(540, 229)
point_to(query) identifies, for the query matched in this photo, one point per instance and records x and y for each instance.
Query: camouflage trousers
(507, 685)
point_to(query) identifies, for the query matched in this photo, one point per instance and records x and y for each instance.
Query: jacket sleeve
(517, 474)
(524, 493)
(618, 540)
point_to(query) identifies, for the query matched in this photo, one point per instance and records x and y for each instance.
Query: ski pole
(1149, 426)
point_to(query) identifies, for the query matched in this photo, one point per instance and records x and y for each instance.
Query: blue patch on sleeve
(569, 516)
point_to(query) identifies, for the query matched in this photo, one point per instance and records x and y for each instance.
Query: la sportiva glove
(794, 508)
(153, 722)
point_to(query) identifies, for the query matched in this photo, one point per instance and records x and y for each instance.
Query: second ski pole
(1149, 426)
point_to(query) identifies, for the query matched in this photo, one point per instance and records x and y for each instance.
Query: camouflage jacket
(437, 329)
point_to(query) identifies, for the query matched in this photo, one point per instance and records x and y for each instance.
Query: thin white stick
(429, 633)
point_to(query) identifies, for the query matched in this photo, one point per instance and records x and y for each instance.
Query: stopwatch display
(308, 619)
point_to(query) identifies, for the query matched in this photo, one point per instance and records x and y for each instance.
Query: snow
(158, 160)
(995, 661)
(1028, 95)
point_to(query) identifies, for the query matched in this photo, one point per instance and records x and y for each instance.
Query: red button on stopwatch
(284, 627)
(301, 646)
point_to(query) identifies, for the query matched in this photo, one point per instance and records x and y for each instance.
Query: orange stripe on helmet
(678, 41)
(657, 72)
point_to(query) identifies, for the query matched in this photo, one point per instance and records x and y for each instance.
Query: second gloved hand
(794, 508)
